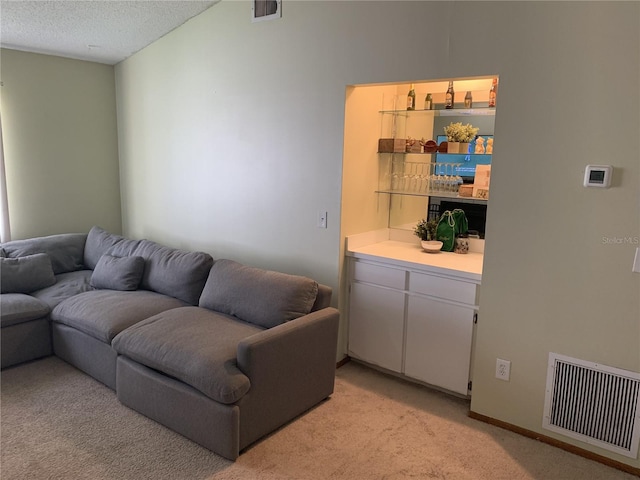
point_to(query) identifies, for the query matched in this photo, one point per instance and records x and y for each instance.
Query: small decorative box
(391, 145)
(430, 147)
(465, 190)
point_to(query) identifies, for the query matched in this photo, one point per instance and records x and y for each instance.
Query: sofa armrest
(291, 368)
(293, 351)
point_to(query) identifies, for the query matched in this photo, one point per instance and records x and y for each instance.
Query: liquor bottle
(411, 99)
(450, 96)
(468, 100)
(428, 104)
(493, 93)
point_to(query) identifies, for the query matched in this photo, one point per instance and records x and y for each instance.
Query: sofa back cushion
(262, 297)
(99, 242)
(26, 274)
(118, 273)
(323, 300)
(66, 250)
(174, 272)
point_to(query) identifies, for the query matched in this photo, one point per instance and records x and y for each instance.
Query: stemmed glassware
(423, 186)
(459, 180)
(415, 178)
(425, 178)
(448, 178)
(397, 175)
(436, 178)
(406, 178)
(453, 179)
(439, 178)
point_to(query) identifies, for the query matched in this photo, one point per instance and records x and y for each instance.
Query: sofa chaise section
(258, 351)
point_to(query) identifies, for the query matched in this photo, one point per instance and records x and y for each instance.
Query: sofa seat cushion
(19, 308)
(67, 285)
(262, 297)
(103, 314)
(194, 345)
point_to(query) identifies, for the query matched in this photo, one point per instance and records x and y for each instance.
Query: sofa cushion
(118, 273)
(67, 285)
(262, 297)
(26, 274)
(174, 272)
(194, 345)
(65, 250)
(99, 242)
(19, 308)
(103, 314)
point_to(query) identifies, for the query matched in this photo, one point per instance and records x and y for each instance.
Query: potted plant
(459, 136)
(425, 230)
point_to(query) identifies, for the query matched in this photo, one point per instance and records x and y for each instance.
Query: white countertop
(377, 246)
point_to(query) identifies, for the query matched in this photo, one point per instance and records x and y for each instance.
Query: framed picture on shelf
(266, 10)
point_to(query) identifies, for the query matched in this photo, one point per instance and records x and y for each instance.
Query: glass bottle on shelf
(493, 93)
(411, 99)
(468, 100)
(450, 96)
(428, 104)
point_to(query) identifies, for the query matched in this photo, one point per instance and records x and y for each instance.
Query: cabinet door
(438, 348)
(376, 323)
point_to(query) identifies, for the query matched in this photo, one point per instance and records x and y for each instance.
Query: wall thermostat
(598, 176)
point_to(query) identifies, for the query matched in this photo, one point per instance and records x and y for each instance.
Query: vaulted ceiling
(104, 31)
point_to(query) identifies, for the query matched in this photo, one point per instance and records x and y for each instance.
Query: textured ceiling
(104, 31)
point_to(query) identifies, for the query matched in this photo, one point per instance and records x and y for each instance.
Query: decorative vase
(463, 148)
(453, 147)
(462, 245)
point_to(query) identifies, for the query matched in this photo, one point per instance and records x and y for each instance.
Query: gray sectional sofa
(220, 352)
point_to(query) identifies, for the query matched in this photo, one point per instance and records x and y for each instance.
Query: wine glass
(396, 176)
(437, 177)
(406, 177)
(424, 179)
(447, 177)
(459, 180)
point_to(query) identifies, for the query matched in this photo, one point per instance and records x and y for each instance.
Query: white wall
(60, 144)
(231, 140)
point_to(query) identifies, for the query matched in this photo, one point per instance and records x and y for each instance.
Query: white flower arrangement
(457, 132)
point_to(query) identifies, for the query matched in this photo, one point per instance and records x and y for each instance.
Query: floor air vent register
(593, 403)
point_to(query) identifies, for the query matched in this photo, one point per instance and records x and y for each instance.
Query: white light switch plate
(636, 261)
(322, 219)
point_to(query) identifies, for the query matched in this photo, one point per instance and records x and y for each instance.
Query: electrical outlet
(503, 369)
(322, 219)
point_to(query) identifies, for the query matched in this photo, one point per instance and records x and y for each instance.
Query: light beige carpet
(57, 423)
